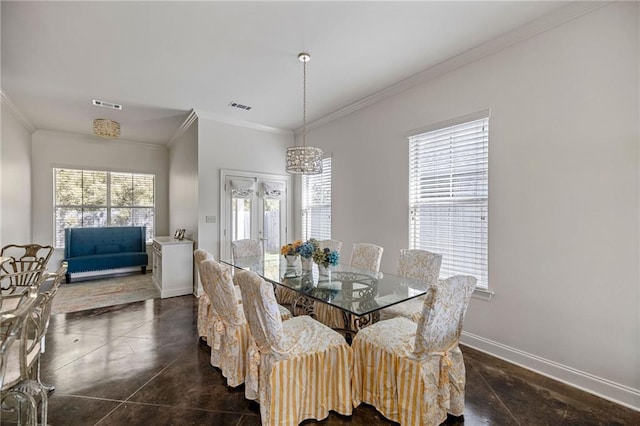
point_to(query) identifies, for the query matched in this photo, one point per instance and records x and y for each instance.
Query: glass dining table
(358, 294)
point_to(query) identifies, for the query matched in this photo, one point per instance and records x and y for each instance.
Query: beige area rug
(98, 293)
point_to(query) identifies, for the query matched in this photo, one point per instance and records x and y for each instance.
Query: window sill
(482, 294)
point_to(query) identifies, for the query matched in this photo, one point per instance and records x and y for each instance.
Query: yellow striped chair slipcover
(419, 264)
(414, 373)
(228, 332)
(299, 369)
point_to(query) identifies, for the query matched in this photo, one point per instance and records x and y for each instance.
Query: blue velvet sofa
(97, 249)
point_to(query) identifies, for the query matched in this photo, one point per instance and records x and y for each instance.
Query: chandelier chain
(304, 103)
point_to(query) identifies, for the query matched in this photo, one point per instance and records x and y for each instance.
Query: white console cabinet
(173, 266)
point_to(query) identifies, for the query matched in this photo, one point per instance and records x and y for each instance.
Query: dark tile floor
(141, 364)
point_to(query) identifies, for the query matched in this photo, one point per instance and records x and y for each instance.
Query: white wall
(56, 149)
(225, 146)
(183, 184)
(564, 194)
(15, 182)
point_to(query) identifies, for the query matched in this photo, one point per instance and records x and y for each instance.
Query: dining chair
(11, 324)
(364, 256)
(333, 245)
(299, 369)
(203, 300)
(413, 373)
(422, 265)
(22, 375)
(228, 332)
(246, 248)
(27, 261)
(45, 316)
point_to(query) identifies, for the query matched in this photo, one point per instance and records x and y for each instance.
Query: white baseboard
(603, 388)
(175, 292)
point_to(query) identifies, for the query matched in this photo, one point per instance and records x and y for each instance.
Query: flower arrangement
(291, 249)
(309, 247)
(326, 257)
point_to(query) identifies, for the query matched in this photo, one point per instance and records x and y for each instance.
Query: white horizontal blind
(316, 204)
(448, 197)
(87, 198)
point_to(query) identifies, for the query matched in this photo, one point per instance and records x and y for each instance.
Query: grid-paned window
(89, 198)
(448, 196)
(316, 204)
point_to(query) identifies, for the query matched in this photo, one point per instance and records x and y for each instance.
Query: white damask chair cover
(421, 265)
(412, 373)
(246, 248)
(333, 245)
(299, 369)
(204, 305)
(228, 332)
(203, 300)
(364, 256)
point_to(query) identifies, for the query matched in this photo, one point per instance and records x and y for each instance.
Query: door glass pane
(240, 218)
(271, 226)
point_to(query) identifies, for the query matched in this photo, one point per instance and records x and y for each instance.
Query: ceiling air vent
(106, 104)
(240, 106)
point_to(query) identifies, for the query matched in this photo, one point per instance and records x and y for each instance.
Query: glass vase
(307, 263)
(291, 260)
(324, 270)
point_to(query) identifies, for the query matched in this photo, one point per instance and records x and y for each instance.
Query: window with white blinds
(316, 204)
(448, 196)
(89, 198)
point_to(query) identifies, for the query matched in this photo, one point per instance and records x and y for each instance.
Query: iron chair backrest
(27, 262)
(11, 326)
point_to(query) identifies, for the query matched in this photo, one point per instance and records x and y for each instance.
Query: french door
(254, 206)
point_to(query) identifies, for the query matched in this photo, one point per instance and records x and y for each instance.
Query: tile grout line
(134, 392)
(497, 396)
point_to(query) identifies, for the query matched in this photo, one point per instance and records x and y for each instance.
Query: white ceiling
(162, 59)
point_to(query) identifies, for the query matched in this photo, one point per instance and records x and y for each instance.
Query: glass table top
(357, 291)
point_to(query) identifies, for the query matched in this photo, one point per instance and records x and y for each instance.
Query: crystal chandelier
(304, 159)
(106, 128)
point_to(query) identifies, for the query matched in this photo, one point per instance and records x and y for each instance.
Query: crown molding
(186, 124)
(531, 29)
(241, 123)
(97, 139)
(4, 99)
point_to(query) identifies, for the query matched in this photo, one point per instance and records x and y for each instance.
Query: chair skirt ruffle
(402, 388)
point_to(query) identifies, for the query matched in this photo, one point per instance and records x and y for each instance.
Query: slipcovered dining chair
(246, 248)
(364, 256)
(421, 265)
(412, 373)
(204, 304)
(299, 369)
(203, 300)
(227, 331)
(333, 245)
